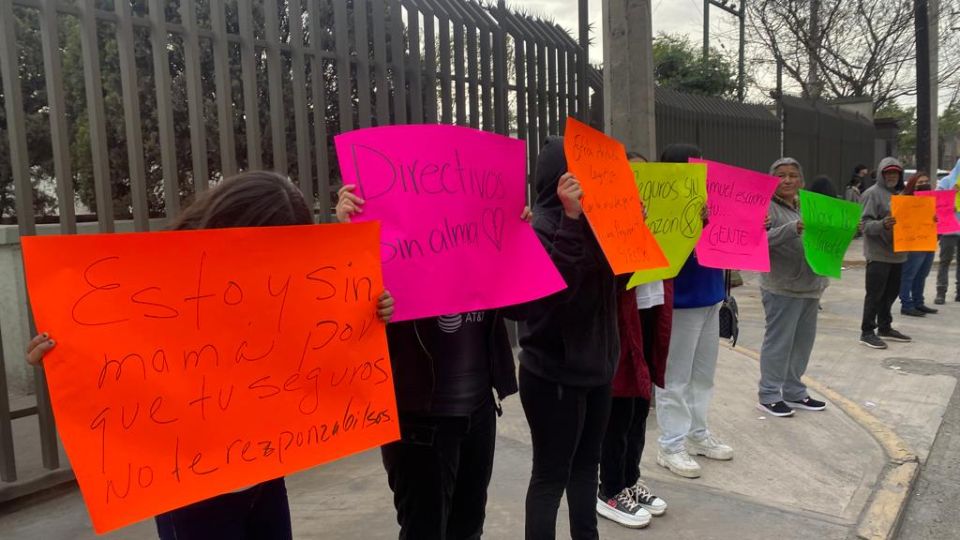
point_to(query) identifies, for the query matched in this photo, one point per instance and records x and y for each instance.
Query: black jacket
(570, 337)
(414, 366)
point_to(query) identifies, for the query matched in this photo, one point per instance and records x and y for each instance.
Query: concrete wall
(14, 315)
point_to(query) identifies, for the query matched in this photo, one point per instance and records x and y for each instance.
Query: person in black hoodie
(445, 372)
(569, 350)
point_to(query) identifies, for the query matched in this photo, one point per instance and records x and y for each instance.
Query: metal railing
(174, 95)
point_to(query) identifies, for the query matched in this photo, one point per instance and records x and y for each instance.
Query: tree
(679, 65)
(906, 118)
(864, 47)
(35, 106)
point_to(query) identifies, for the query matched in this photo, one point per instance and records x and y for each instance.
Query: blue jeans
(915, 272)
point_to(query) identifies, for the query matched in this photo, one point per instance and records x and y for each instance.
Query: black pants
(883, 287)
(623, 445)
(258, 513)
(439, 472)
(567, 425)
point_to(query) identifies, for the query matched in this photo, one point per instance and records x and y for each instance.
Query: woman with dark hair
(824, 186)
(644, 315)
(918, 265)
(260, 512)
(450, 374)
(683, 401)
(569, 350)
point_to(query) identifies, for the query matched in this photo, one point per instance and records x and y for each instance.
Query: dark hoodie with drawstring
(570, 338)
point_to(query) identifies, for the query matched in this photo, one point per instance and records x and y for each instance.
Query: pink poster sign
(946, 212)
(449, 200)
(738, 200)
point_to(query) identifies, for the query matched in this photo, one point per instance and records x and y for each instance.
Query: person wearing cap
(791, 294)
(884, 265)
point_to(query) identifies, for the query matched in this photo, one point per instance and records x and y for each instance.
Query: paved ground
(805, 477)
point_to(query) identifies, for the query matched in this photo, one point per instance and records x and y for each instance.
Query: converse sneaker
(650, 502)
(679, 463)
(775, 409)
(710, 448)
(872, 341)
(624, 510)
(893, 335)
(807, 404)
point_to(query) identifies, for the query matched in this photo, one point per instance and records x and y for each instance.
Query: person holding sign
(684, 399)
(251, 199)
(884, 265)
(569, 350)
(949, 244)
(791, 294)
(645, 316)
(445, 370)
(918, 265)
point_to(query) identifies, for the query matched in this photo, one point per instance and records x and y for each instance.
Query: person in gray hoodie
(884, 266)
(791, 294)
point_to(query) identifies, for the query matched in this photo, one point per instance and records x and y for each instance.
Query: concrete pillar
(628, 83)
(934, 24)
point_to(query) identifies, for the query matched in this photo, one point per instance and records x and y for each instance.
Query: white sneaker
(679, 463)
(650, 502)
(624, 510)
(711, 448)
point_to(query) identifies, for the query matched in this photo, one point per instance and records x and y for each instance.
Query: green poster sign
(829, 225)
(673, 196)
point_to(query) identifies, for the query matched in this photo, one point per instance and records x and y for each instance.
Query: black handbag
(729, 314)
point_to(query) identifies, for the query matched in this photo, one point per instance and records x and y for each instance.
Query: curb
(881, 518)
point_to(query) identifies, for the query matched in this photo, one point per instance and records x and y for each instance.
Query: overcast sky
(683, 17)
(669, 16)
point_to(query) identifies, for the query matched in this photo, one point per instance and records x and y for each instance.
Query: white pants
(683, 402)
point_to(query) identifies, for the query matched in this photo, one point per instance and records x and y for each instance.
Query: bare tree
(864, 47)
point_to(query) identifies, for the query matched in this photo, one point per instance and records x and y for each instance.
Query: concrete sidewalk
(808, 476)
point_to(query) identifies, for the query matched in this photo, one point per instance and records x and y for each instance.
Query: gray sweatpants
(787, 344)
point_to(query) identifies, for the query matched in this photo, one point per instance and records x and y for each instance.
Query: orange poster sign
(194, 363)
(611, 201)
(916, 228)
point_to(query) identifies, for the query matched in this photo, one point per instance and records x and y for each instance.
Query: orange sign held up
(611, 201)
(916, 228)
(190, 364)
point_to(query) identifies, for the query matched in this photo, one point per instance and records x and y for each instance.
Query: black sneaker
(927, 310)
(940, 300)
(893, 335)
(776, 409)
(624, 510)
(807, 404)
(872, 341)
(912, 312)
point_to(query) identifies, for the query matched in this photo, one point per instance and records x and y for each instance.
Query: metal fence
(826, 140)
(737, 133)
(168, 96)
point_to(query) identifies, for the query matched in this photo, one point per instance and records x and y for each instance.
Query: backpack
(729, 314)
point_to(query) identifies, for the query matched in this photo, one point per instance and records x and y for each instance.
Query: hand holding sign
(610, 199)
(915, 226)
(828, 226)
(192, 363)
(450, 201)
(946, 212)
(736, 237)
(674, 196)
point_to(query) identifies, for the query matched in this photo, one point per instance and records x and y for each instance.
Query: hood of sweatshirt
(886, 163)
